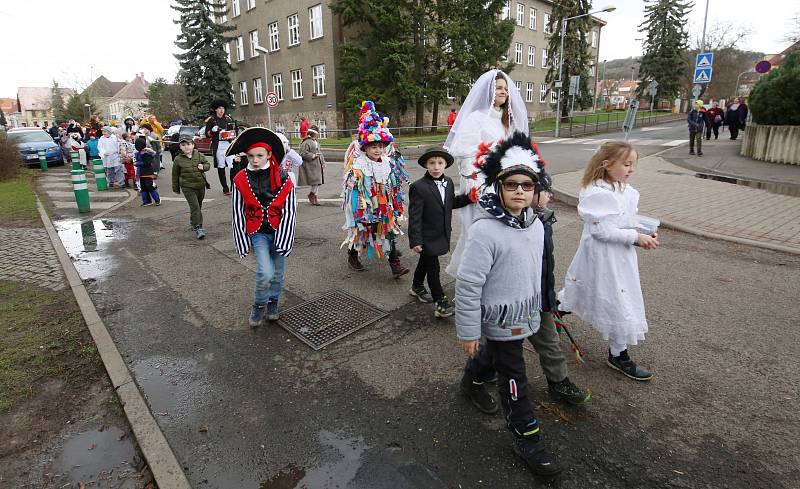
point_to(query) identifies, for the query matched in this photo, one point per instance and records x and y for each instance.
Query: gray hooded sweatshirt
(498, 286)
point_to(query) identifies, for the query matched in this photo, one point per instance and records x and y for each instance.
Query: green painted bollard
(42, 160)
(75, 158)
(81, 189)
(99, 174)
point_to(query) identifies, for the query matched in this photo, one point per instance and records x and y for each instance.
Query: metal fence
(604, 122)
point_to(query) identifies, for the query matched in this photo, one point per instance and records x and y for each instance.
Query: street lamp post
(265, 88)
(559, 83)
(736, 91)
(605, 90)
(88, 110)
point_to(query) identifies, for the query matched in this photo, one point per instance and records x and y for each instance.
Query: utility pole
(705, 21)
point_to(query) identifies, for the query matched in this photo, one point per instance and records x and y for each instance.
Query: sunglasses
(513, 186)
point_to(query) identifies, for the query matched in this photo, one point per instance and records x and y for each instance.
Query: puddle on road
(174, 387)
(105, 456)
(87, 242)
(775, 188)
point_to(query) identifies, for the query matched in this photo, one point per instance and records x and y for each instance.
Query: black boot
(353, 261)
(478, 395)
(569, 392)
(539, 460)
(628, 367)
(398, 270)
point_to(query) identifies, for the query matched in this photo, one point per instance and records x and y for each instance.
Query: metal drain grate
(330, 317)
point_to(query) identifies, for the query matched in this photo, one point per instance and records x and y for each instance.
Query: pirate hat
(256, 135)
(435, 151)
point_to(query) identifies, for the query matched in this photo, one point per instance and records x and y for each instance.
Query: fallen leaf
(203, 429)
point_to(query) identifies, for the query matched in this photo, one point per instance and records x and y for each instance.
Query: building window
(318, 78)
(553, 97)
(242, 93)
(594, 39)
(323, 128)
(518, 53)
(520, 15)
(531, 55)
(274, 38)
(518, 84)
(505, 13)
(251, 4)
(532, 18)
(239, 49)
(546, 24)
(296, 132)
(235, 8)
(544, 59)
(294, 30)
(258, 93)
(277, 85)
(591, 70)
(228, 52)
(542, 93)
(280, 127)
(529, 92)
(253, 43)
(315, 21)
(450, 93)
(297, 84)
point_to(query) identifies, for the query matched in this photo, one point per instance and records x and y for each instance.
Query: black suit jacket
(429, 219)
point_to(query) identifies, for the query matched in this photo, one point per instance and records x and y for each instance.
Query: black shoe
(444, 308)
(691, 151)
(699, 153)
(539, 460)
(628, 367)
(478, 395)
(354, 262)
(422, 294)
(569, 392)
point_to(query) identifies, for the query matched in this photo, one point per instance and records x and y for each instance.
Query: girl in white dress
(492, 111)
(602, 283)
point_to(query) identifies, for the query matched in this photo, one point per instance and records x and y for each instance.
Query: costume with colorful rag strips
(372, 190)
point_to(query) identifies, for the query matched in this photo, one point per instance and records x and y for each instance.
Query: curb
(131, 196)
(154, 446)
(572, 200)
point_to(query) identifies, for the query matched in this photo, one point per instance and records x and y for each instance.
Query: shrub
(774, 99)
(9, 158)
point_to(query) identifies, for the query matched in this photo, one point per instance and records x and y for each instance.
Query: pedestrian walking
(312, 171)
(108, 147)
(129, 125)
(735, 116)
(127, 152)
(147, 167)
(492, 111)
(602, 282)
(91, 145)
(188, 177)
(498, 293)
(697, 121)
(78, 145)
(451, 117)
(220, 127)
(431, 201)
(714, 118)
(373, 194)
(264, 216)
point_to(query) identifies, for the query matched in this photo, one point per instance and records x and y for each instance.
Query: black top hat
(436, 151)
(219, 103)
(254, 135)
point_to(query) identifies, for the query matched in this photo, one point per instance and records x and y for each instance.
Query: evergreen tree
(205, 71)
(774, 100)
(167, 101)
(76, 108)
(576, 51)
(664, 46)
(57, 102)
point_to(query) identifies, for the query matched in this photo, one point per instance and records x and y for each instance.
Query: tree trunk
(434, 116)
(419, 119)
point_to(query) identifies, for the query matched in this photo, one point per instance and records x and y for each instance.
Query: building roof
(777, 59)
(39, 98)
(103, 87)
(9, 105)
(136, 89)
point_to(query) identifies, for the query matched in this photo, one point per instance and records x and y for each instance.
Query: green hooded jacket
(185, 172)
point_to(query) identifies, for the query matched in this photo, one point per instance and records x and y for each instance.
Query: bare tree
(792, 33)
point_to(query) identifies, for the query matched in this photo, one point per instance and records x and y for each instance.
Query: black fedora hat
(253, 135)
(435, 151)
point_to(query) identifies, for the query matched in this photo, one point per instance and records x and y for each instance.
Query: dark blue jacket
(697, 120)
(548, 261)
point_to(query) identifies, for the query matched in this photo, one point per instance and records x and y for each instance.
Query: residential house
(100, 92)
(131, 100)
(35, 105)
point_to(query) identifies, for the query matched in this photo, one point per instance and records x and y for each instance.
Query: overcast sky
(68, 41)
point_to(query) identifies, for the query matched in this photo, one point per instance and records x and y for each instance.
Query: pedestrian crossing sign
(704, 60)
(702, 75)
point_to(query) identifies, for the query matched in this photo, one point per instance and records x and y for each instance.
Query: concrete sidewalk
(705, 207)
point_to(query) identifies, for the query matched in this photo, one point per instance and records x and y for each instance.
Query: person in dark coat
(735, 116)
(217, 123)
(431, 202)
(714, 118)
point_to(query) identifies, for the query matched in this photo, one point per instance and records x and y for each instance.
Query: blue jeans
(270, 267)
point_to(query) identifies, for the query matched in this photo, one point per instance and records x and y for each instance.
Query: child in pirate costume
(498, 289)
(264, 216)
(373, 196)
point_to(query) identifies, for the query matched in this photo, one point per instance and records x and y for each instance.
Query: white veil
(481, 98)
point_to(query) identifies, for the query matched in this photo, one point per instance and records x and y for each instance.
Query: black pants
(393, 253)
(505, 357)
(428, 266)
(734, 129)
(223, 180)
(712, 127)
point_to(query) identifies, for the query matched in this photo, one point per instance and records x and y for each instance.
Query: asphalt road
(381, 409)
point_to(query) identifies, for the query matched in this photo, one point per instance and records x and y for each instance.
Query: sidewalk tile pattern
(29, 257)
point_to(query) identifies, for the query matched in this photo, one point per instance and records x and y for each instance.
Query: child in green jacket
(187, 177)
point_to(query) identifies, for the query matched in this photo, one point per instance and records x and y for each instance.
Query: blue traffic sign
(763, 66)
(704, 60)
(702, 75)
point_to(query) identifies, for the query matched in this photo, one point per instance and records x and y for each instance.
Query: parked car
(201, 143)
(30, 141)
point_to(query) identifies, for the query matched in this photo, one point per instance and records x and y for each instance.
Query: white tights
(616, 348)
(314, 189)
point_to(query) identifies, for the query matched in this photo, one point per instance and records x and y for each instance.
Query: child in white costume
(602, 282)
(492, 111)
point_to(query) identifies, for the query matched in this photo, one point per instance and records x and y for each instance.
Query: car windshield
(30, 137)
(192, 130)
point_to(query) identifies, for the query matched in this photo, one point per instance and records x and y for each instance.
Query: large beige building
(35, 105)
(302, 37)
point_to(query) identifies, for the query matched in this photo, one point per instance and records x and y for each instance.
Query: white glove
(215, 129)
(200, 166)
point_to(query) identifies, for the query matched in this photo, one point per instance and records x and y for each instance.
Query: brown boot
(315, 199)
(311, 198)
(398, 270)
(354, 262)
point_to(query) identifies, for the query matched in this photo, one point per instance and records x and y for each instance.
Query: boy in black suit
(431, 202)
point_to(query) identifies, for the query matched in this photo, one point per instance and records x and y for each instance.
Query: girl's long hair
(506, 118)
(611, 151)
